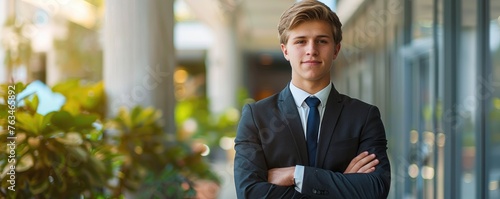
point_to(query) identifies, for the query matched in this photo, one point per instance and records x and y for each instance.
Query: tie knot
(312, 101)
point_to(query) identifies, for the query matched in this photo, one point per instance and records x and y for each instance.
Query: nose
(312, 49)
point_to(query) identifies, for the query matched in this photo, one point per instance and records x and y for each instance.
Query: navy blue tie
(312, 128)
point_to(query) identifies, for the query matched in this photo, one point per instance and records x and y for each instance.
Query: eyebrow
(319, 36)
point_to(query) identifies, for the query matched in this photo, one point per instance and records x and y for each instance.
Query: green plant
(74, 152)
(58, 154)
(147, 155)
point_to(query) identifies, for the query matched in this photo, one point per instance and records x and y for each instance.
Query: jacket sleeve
(250, 167)
(320, 183)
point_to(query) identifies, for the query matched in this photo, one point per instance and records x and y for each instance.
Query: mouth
(311, 62)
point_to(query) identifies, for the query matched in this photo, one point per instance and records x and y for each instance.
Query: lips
(311, 62)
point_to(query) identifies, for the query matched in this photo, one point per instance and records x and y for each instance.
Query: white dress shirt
(300, 96)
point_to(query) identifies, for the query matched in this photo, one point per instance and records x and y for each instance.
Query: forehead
(311, 29)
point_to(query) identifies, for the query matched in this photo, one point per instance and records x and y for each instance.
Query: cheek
(296, 54)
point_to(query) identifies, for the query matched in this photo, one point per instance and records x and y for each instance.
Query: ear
(336, 52)
(285, 51)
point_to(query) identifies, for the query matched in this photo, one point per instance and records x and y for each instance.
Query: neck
(311, 87)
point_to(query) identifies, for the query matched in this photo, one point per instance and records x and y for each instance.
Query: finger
(363, 162)
(350, 167)
(370, 170)
(366, 168)
(354, 161)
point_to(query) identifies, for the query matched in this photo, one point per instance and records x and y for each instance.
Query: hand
(281, 176)
(363, 163)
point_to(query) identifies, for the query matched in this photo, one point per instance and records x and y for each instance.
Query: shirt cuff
(298, 177)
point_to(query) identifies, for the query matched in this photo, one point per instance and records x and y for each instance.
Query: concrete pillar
(224, 63)
(224, 68)
(139, 56)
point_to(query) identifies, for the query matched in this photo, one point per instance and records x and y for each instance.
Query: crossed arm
(363, 163)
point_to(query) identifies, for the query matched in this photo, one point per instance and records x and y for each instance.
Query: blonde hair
(308, 10)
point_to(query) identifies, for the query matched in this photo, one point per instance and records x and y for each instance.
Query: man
(309, 141)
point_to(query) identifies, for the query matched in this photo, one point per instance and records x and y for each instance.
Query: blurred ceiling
(258, 23)
(254, 20)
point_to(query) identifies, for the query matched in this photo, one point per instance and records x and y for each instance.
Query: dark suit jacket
(270, 135)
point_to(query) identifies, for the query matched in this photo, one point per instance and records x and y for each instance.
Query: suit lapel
(290, 116)
(331, 115)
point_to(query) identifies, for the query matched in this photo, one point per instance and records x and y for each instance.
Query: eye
(300, 41)
(322, 41)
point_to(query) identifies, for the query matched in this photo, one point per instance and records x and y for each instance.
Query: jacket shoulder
(355, 104)
(266, 102)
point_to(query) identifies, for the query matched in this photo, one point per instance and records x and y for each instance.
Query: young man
(309, 141)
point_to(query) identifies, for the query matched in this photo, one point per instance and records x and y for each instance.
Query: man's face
(310, 49)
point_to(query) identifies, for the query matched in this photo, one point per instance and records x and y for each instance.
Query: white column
(224, 67)
(224, 63)
(139, 56)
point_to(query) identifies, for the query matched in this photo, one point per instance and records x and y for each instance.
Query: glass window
(421, 59)
(439, 77)
(494, 115)
(466, 107)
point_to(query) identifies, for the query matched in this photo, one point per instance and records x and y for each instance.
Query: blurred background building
(431, 66)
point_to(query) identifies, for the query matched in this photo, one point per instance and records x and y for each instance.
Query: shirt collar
(300, 95)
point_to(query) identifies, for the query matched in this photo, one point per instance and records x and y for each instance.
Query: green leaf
(31, 123)
(136, 111)
(71, 106)
(32, 104)
(46, 120)
(4, 111)
(124, 117)
(66, 86)
(19, 87)
(63, 120)
(95, 135)
(84, 121)
(184, 110)
(147, 116)
(92, 95)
